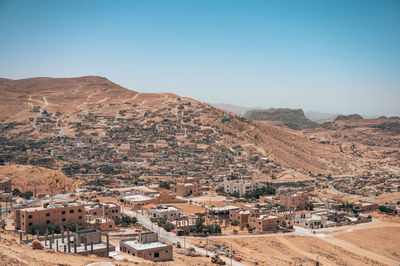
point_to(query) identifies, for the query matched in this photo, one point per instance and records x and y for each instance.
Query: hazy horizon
(330, 56)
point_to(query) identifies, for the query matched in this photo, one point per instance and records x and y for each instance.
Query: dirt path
(134, 97)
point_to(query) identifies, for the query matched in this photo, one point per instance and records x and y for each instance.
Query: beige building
(137, 201)
(241, 187)
(242, 217)
(297, 200)
(265, 222)
(167, 197)
(48, 214)
(168, 212)
(185, 189)
(147, 247)
(103, 224)
(104, 210)
(309, 220)
(5, 185)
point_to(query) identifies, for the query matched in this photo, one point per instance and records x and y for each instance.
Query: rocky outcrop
(348, 117)
(292, 118)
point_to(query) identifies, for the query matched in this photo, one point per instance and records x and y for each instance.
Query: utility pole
(207, 247)
(231, 254)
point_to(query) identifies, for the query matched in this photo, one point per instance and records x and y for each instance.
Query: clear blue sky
(328, 56)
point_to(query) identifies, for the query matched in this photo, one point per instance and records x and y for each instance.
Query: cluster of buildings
(291, 209)
(154, 141)
(368, 184)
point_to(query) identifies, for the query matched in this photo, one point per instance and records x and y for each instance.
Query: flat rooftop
(140, 246)
(50, 207)
(137, 197)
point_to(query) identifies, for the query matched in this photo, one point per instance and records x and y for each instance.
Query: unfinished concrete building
(82, 243)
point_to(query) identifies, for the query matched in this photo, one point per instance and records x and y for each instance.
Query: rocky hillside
(292, 118)
(29, 178)
(91, 126)
(348, 117)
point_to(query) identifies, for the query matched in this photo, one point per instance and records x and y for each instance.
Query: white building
(240, 186)
(169, 212)
(308, 220)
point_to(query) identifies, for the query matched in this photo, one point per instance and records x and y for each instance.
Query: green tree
(16, 192)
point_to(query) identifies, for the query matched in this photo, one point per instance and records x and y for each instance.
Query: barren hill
(29, 178)
(20, 98)
(90, 125)
(292, 118)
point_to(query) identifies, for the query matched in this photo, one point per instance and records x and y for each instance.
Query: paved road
(171, 237)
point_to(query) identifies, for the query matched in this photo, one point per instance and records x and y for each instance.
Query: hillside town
(152, 221)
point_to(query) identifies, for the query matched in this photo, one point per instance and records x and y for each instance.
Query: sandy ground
(375, 244)
(12, 253)
(188, 208)
(371, 245)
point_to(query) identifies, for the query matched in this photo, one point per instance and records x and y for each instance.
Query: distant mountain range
(312, 115)
(292, 118)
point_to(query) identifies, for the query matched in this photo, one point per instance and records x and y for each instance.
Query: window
(63, 219)
(48, 214)
(156, 254)
(63, 212)
(95, 213)
(116, 210)
(48, 222)
(71, 211)
(30, 224)
(30, 217)
(80, 217)
(79, 210)
(110, 226)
